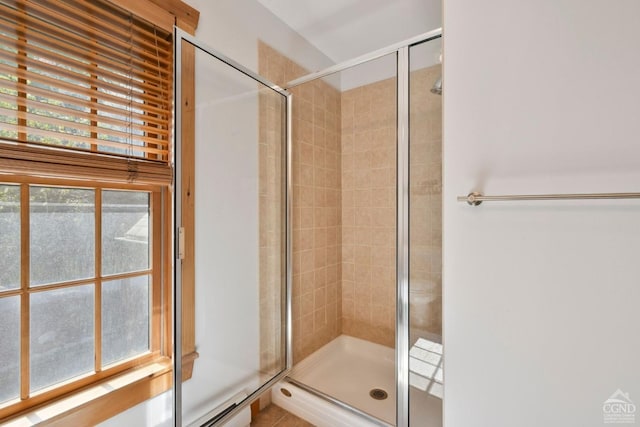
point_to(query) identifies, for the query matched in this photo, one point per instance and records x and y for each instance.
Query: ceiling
(344, 29)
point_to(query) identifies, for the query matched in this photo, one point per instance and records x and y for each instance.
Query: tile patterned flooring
(275, 416)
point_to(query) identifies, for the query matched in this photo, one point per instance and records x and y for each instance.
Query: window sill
(102, 400)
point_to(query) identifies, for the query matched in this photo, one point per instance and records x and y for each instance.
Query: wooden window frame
(158, 310)
(104, 398)
(186, 18)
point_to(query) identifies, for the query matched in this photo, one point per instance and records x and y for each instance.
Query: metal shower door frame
(179, 37)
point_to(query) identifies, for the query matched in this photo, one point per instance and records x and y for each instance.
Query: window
(80, 279)
(85, 114)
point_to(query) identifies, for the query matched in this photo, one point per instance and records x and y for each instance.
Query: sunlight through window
(425, 367)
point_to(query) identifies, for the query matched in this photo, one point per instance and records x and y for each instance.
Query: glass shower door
(425, 235)
(240, 292)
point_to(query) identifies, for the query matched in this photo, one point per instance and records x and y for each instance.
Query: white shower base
(346, 369)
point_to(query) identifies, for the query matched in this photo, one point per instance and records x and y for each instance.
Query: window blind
(83, 79)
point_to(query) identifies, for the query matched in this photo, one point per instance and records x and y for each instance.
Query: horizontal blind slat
(88, 128)
(112, 22)
(75, 28)
(58, 139)
(31, 104)
(151, 74)
(88, 92)
(22, 158)
(38, 55)
(29, 25)
(78, 102)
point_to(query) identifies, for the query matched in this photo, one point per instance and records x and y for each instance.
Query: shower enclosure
(318, 236)
(238, 302)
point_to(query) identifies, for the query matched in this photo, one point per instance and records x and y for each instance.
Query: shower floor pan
(358, 373)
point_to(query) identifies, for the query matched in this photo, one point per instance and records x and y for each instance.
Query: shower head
(437, 86)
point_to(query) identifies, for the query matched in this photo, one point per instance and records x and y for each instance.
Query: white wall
(233, 27)
(156, 412)
(541, 300)
(345, 29)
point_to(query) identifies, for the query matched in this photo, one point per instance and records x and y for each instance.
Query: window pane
(125, 231)
(62, 336)
(125, 318)
(9, 237)
(62, 234)
(9, 348)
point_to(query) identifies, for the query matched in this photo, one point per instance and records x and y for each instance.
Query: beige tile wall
(344, 215)
(317, 231)
(369, 211)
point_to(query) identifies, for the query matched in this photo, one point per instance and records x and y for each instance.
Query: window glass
(10, 348)
(62, 230)
(125, 318)
(9, 237)
(61, 335)
(125, 231)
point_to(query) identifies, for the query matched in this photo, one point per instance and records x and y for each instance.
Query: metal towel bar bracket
(475, 198)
